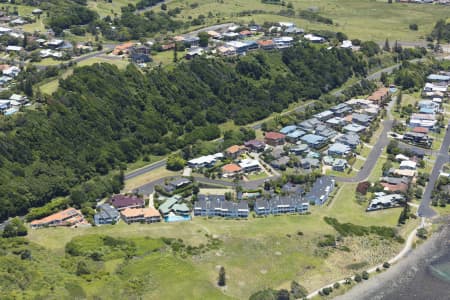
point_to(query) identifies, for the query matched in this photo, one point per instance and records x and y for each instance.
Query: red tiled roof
(120, 201)
(265, 42)
(136, 212)
(420, 130)
(274, 135)
(233, 149)
(402, 187)
(231, 168)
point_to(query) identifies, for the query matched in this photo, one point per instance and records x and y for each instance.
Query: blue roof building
(314, 141)
(106, 215)
(354, 128)
(320, 190)
(338, 149)
(438, 77)
(295, 135)
(288, 129)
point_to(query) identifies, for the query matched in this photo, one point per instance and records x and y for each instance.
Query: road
(442, 158)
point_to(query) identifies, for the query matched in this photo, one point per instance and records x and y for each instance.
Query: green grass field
(367, 20)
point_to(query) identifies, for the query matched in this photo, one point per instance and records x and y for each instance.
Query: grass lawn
(48, 62)
(120, 63)
(148, 177)
(255, 176)
(105, 8)
(367, 20)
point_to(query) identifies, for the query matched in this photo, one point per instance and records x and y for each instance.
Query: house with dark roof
(339, 149)
(383, 201)
(350, 139)
(295, 136)
(325, 131)
(213, 206)
(120, 201)
(355, 128)
(287, 129)
(341, 110)
(169, 205)
(299, 149)
(274, 138)
(309, 125)
(361, 119)
(324, 115)
(339, 165)
(336, 123)
(309, 163)
(292, 188)
(106, 215)
(281, 205)
(314, 141)
(255, 145)
(321, 189)
(175, 184)
(278, 163)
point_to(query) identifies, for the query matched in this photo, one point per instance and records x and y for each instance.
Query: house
(339, 165)
(255, 145)
(435, 87)
(328, 160)
(383, 201)
(241, 47)
(421, 121)
(37, 11)
(120, 201)
(314, 141)
(358, 103)
(314, 38)
(310, 124)
(217, 206)
(141, 215)
(288, 129)
(292, 188)
(299, 149)
(266, 44)
(54, 43)
(122, 48)
(408, 165)
(206, 161)
(324, 115)
(350, 139)
(341, 110)
(280, 162)
(231, 170)
(176, 184)
(283, 42)
(281, 205)
(5, 105)
(194, 52)
(321, 190)
(168, 206)
(418, 138)
(379, 96)
(295, 135)
(336, 123)
(354, 128)
(140, 54)
(249, 165)
(226, 51)
(234, 151)
(67, 217)
(438, 78)
(420, 130)
(339, 149)
(346, 44)
(245, 33)
(12, 48)
(325, 132)
(12, 71)
(310, 163)
(361, 119)
(397, 187)
(401, 157)
(191, 41)
(294, 31)
(274, 138)
(106, 215)
(403, 172)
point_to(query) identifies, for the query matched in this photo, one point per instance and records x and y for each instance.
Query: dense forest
(102, 118)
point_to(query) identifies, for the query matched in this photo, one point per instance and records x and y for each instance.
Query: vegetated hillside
(101, 118)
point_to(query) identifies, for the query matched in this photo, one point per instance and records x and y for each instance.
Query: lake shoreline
(410, 277)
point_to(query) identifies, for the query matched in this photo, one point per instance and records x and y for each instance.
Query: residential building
(283, 42)
(231, 170)
(383, 201)
(328, 160)
(325, 131)
(324, 115)
(314, 141)
(292, 188)
(167, 206)
(361, 119)
(119, 49)
(339, 149)
(438, 78)
(217, 206)
(106, 215)
(67, 217)
(120, 201)
(280, 162)
(341, 110)
(321, 190)
(281, 205)
(336, 123)
(310, 163)
(354, 128)
(226, 50)
(249, 165)
(234, 151)
(309, 125)
(12, 48)
(350, 139)
(141, 215)
(418, 138)
(140, 54)
(206, 161)
(314, 38)
(379, 96)
(339, 165)
(255, 145)
(295, 136)
(420, 130)
(288, 129)
(408, 165)
(299, 149)
(175, 184)
(274, 138)
(266, 44)
(400, 157)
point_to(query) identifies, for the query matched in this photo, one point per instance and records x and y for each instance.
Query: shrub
(358, 278)
(386, 265)
(336, 285)
(365, 275)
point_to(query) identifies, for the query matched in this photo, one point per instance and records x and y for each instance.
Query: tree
(204, 39)
(365, 275)
(413, 27)
(82, 268)
(384, 78)
(175, 54)
(222, 277)
(422, 233)
(13, 228)
(283, 295)
(163, 6)
(386, 46)
(298, 291)
(175, 162)
(358, 278)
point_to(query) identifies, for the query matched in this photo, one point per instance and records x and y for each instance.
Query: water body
(423, 275)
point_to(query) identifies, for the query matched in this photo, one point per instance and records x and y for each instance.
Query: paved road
(442, 158)
(146, 169)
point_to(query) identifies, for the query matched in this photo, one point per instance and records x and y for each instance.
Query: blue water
(177, 218)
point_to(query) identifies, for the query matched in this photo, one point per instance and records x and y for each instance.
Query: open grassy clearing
(368, 20)
(105, 8)
(148, 177)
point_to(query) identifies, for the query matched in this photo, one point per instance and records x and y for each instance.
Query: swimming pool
(175, 218)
